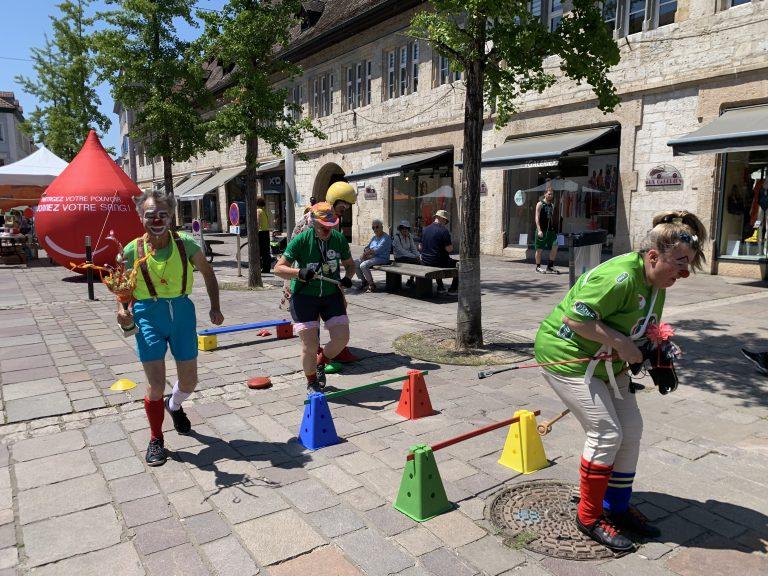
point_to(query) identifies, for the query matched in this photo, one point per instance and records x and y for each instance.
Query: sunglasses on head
(691, 239)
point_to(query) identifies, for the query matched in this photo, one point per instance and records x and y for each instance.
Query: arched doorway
(327, 175)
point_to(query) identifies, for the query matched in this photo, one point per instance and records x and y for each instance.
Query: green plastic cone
(421, 495)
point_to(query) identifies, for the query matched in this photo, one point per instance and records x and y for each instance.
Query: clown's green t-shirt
(324, 257)
(616, 293)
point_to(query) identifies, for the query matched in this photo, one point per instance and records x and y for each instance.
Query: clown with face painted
(609, 310)
(164, 314)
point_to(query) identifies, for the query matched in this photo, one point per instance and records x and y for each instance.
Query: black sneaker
(634, 521)
(551, 270)
(759, 359)
(314, 386)
(156, 455)
(180, 421)
(605, 533)
(321, 381)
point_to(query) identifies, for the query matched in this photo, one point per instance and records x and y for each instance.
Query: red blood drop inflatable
(89, 198)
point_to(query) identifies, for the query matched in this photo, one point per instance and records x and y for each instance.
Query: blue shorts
(164, 322)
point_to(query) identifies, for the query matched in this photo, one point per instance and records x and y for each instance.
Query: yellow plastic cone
(523, 450)
(122, 385)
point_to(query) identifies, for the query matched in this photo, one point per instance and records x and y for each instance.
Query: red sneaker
(346, 356)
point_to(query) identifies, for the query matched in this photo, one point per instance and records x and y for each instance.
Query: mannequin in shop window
(757, 216)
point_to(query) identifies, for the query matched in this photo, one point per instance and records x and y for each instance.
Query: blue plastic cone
(317, 429)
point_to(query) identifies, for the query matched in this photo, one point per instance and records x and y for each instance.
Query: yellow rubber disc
(122, 385)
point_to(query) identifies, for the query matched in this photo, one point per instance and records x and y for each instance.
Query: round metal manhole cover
(541, 516)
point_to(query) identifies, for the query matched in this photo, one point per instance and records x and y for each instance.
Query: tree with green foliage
(158, 75)
(65, 84)
(501, 49)
(247, 37)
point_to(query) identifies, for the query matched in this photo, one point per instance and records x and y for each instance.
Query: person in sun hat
(318, 252)
(436, 246)
(341, 195)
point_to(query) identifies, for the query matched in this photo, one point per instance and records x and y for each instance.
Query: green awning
(538, 151)
(737, 130)
(212, 184)
(398, 165)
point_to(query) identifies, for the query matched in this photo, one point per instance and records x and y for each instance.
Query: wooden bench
(423, 274)
(206, 339)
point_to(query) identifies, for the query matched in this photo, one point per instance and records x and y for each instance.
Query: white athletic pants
(613, 426)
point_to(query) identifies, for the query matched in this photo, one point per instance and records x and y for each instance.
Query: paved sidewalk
(241, 497)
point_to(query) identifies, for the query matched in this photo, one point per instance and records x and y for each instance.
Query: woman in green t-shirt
(318, 255)
(606, 313)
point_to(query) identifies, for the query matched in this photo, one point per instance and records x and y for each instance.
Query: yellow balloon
(122, 385)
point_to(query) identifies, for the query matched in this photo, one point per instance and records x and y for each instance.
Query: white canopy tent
(38, 169)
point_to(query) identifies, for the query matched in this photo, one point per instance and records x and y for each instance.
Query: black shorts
(307, 310)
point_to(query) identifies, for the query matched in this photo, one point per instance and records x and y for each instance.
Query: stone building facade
(379, 96)
(14, 143)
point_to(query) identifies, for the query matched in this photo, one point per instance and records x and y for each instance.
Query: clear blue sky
(24, 27)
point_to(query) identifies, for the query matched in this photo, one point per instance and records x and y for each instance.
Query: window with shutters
(368, 80)
(414, 66)
(322, 95)
(444, 73)
(391, 85)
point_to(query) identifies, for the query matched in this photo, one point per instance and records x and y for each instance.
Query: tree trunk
(254, 258)
(469, 327)
(167, 174)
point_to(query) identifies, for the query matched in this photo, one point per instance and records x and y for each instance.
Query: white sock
(177, 397)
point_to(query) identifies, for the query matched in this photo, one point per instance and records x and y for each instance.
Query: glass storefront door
(743, 207)
(416, 198)
(586, 191)
(209, 216)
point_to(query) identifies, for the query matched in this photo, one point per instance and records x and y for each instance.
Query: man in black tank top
(546, 230)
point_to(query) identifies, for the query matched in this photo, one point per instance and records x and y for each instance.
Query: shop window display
(744, 205)
(210, 212)
(586, 190)
(416, 198)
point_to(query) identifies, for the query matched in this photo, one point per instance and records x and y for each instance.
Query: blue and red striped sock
(619, 492)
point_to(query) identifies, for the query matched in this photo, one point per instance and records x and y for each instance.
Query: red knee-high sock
(155, 410)
(323, 359)
(594, 483)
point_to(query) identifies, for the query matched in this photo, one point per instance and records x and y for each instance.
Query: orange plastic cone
(414, 399)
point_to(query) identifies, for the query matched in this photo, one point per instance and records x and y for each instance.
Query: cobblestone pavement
(241, 497)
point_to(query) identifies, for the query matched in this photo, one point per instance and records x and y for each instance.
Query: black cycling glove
(306, 274)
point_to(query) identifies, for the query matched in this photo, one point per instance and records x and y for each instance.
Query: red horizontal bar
(468, 435)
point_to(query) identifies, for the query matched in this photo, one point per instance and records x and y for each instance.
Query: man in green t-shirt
(319, 253)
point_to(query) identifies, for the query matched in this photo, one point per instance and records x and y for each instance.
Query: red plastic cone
(414, 399)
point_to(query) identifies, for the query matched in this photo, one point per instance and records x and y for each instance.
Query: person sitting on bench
(375, 253)
(405, 248)
(436, 247)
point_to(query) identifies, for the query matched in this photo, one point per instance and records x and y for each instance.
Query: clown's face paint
(156, 218)
(663, 270)
(322, 232)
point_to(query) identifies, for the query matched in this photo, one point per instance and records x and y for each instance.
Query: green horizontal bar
(366, 386)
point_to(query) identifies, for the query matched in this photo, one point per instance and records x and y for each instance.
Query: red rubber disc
(259, 383)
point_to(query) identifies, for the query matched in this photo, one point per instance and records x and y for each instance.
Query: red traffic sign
(234, 214)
